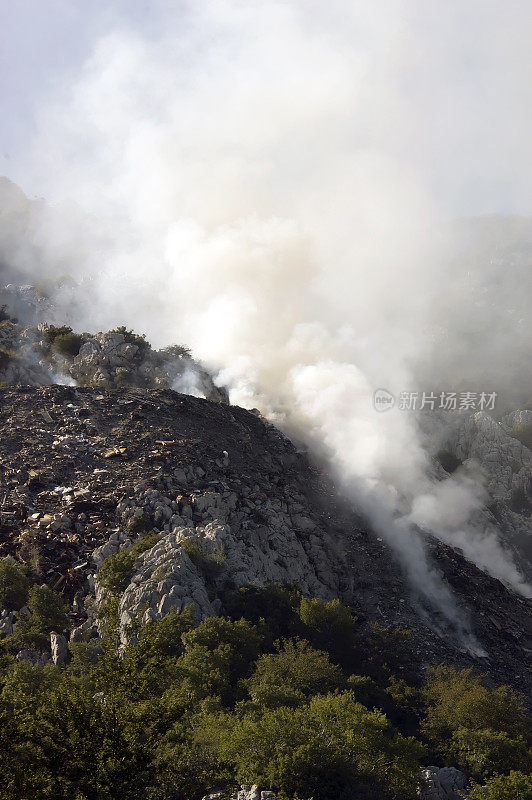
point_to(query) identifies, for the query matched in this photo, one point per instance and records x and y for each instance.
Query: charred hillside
(86, 474)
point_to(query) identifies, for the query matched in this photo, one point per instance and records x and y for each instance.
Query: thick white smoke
(253, 192)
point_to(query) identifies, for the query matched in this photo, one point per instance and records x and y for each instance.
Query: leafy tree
(481, 730)
(515, 786)
(273, 608)
(293, 674)
(483, 753)
(387, 653)
(47, 614)
(131, 337)
(14, 585)
(458, 699)
(330, 626)
(332, 747)
(218, 654)
(68, 344)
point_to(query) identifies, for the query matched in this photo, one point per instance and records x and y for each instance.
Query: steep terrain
(85, 473)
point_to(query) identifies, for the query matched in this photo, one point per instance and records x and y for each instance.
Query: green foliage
(63, 340)
(189, 707)
(116, 571)
(140, 524)
(293, 674)
(331, 747)
(14, 585)
(483, 753)
(70, 745)
(388, 652)
(218, 654)
(68, 344)
(176, 351)
(481, 730)
(273, 607)
(210, 564)
(330, 626)
(52, 331)
(515, 786)
(47, 614)
(132, 338)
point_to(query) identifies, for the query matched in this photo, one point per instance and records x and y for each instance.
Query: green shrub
(176, 351)
(47, 614)
(68, 344)
(458, 702)
(330, 626)
(217, 655)
(483, 753)
(14, 585)
(51, 332)
(63, 340)
(515, 786)
(117, 570)
(209, 564)
(131, 337)
(332, 747)
(140, 524)
(292, 675)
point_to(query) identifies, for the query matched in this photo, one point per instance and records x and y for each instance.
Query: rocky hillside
(230, 501)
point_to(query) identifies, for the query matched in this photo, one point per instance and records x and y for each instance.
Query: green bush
(68, 344)
(63, 340)
(116, 571)
(457, 702)
(51, 332)
(211, 565)
(131, 337)
(14, 585)
(217, 655)
(483, 753)
(515, 786)
(293, 674)
(332, 747)
(176, 351)
(330, 626)
(47, 614)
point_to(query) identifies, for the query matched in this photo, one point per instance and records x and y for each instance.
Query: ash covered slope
(84, 474)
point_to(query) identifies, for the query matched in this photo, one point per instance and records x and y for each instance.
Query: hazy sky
(465, 66)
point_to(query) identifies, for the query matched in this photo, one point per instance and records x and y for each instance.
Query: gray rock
(445, 783)
(59, 647)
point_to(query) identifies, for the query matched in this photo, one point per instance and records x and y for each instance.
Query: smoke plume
(260, 182)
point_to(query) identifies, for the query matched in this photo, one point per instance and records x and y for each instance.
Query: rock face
(445, 783)
(499, 451)
(58, 647)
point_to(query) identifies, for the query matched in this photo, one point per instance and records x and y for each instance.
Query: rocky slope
(85, 473)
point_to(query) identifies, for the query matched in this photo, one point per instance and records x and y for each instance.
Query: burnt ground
(68, 456)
